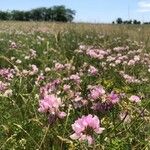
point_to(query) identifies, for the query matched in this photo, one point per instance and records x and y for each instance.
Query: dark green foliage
(136, 22)
(56, 13)
(120, 21)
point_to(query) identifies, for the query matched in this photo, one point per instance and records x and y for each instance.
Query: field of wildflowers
(74, 87)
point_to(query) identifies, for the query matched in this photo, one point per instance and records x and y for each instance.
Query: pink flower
(32, 54)
(119, 49)
(118, 61)
(131, 62)
(3, 86)
(84, 128)
(7, 73)
(49, 88)
(76, 78)
(135, 98)
(8, 93)
(96, 92)
(59, 66)
(66, 87)
(13, 45)
(34, 70)
(113, 98)
(136, 58)
(39, 78)
(92, 70)
(61, 115)
(68, 66)
(96, 53)
(50, 103)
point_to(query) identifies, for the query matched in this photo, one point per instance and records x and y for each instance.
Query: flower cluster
(84, 128)
(50, 104)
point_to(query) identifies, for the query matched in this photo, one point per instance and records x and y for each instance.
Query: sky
(96, 11)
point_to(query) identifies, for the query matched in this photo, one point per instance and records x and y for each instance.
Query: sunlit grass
(25, 44)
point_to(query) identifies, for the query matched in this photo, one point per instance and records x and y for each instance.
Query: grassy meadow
(74, 86)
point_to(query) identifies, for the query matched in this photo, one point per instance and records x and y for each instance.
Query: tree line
(120, 21)
(55, 13)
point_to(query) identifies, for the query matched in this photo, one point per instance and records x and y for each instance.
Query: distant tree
(129, 22)
(70, 15)
(125, 22)
(4, 15)
(146, 22)
(136, 22)
(36, 14)
(48, 14)
(56, 13)
(113, 22)
(27, 16)
(139, 22)
(43, 13)
(119, 21)
(17, 15)
(60, 13)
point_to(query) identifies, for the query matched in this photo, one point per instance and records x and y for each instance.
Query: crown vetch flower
(92, 70)
(113, 98)
(50, 103)
(102, 107)
(7, 73)
(76, 78)
(96, 92)
(85, 127)
(135, 98)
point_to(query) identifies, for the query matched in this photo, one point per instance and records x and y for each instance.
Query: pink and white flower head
(131, 62)
(135, 98)
(50, 103)
(32, 53)
(3, 86)
(39, 79)
(25, 72)
(68, 66)
(96, 92)
(34, 70)
(66, 87)
(76, 78)
(136, 58)
(118, 61)
(85, 127)
(113, 98)
(49, 88)
(92, 70)
(59, 66)
(119, 49)
(13, 45)
(7, 73)
(8, 93)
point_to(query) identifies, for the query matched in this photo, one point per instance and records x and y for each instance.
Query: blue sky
(90, 10)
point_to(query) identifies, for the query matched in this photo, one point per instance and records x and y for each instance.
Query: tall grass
(22, 126)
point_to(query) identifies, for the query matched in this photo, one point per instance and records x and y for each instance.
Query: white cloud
(144, 6)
